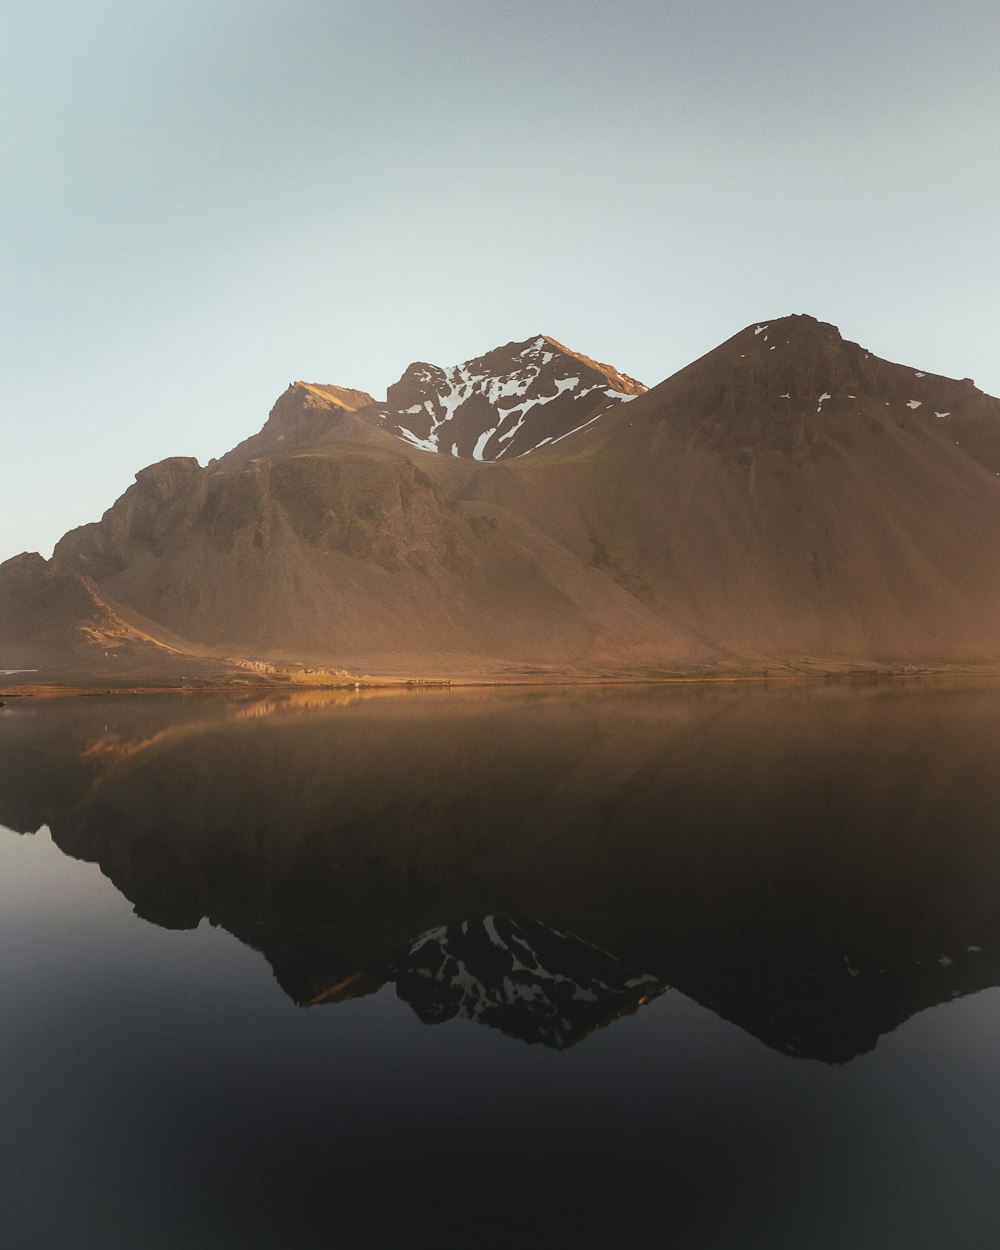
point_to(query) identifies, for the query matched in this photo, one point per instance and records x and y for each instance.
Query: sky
(204, 200)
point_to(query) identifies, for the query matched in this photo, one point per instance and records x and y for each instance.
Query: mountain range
(789, 503)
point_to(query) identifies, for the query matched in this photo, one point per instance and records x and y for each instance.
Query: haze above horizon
(205, 200)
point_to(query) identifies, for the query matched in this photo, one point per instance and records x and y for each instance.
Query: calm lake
(689, 966)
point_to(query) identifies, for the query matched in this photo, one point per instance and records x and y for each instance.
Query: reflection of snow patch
(913, 403)
(942, 414)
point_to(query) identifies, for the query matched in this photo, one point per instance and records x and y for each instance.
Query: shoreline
(404, 685)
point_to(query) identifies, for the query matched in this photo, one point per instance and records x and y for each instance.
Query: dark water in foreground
(705, 966)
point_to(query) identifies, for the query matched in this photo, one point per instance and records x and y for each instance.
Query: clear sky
(205, 199)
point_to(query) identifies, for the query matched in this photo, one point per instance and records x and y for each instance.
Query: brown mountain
(789, 502)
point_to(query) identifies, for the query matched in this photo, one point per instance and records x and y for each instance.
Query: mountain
(509, 402)
(788, 503)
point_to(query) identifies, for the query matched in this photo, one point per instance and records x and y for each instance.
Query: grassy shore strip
(236, 687)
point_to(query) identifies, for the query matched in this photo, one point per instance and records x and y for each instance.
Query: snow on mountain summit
(507, 403)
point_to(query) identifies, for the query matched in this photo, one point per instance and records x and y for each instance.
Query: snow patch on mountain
(514, 400)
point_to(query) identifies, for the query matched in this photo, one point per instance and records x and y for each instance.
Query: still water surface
(689, 966)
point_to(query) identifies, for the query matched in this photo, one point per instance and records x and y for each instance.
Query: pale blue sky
(204, 199)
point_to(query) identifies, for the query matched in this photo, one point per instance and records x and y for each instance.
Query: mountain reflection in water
(812, 863)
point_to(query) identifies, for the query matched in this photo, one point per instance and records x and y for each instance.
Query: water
(706, 966)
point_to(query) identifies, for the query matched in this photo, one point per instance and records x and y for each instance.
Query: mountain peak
(304, 413)
(506, 403)
(797, 344)
(795, 381)
(339, 396)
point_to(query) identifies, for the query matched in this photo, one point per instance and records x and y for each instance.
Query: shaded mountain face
(814, 863)
(507, 403)
(790, 503)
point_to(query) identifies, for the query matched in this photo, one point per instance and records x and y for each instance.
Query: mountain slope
(344, 555)
(59, 621)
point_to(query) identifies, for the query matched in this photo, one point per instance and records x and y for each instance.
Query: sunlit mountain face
(815, 865)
